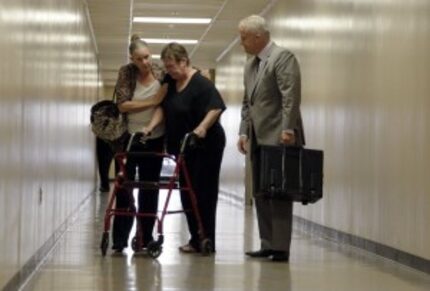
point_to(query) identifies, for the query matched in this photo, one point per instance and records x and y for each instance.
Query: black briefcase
(290, 173)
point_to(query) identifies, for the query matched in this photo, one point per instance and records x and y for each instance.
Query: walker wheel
(154, 249)
(206, 247)
(105, 243)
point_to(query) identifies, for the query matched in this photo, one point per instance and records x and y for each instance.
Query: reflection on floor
(315, 264)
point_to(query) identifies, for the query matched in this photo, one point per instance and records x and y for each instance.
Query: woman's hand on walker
(147, 130)
(200, 132)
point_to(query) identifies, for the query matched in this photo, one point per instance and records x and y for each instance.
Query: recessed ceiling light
(177, 20)
(167, 40)
(156, 56)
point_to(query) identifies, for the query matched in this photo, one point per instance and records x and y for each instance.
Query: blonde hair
(136, 42)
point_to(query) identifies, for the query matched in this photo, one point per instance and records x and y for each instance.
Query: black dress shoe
(104, 189)
(279, 256)
(260, 253)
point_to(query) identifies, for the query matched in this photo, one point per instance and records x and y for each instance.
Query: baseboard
(391, 253)
(25, 273)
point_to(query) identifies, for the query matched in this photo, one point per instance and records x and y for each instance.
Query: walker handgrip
(132, 137)
(187, 140)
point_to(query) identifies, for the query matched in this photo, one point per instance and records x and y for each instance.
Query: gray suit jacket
(272, 98)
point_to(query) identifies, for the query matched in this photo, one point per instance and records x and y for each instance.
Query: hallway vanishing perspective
(361, 71)
(315, 264)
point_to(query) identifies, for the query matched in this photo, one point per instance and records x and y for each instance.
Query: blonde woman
(136, 85)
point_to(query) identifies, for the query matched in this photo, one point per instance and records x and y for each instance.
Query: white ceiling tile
(112, 23)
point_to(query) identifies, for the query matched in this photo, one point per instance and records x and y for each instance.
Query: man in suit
(270, 116)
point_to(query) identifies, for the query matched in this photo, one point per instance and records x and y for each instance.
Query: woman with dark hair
(135, 85)
(193, 104)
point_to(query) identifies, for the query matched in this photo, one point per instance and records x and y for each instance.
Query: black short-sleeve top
(185, 110)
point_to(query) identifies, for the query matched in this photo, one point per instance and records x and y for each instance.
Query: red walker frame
(154, 248)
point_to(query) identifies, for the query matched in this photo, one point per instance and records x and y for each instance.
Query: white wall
(365, 70)
(48, 81)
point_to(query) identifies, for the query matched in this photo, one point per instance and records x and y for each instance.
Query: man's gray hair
(254, 23)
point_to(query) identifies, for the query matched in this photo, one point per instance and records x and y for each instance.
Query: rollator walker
(155, 247)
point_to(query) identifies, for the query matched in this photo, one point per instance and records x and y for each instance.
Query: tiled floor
(76, 263)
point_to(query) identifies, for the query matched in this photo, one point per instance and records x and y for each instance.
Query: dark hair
(135, 43)
(176, 52)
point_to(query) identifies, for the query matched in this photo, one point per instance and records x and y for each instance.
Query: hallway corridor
(315, 264)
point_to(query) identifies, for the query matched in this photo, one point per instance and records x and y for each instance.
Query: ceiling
(112, 25)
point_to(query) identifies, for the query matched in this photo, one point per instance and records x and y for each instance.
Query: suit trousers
(274, 216)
